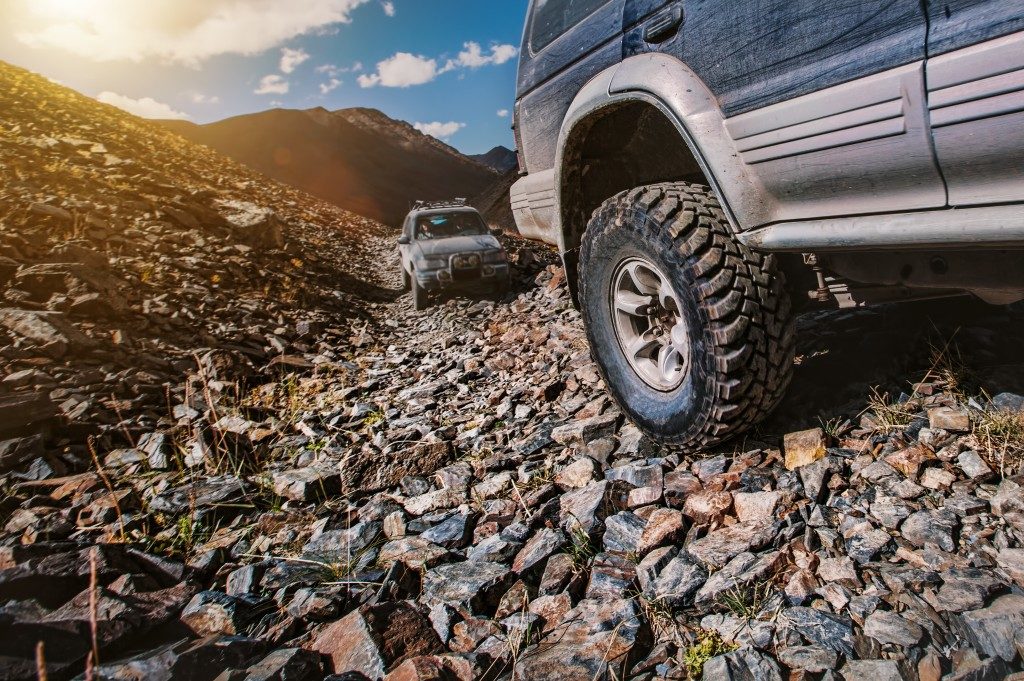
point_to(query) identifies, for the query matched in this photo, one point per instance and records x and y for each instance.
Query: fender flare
(673, 88)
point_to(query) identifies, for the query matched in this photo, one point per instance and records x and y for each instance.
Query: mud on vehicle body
(706, 169)
(447, 246)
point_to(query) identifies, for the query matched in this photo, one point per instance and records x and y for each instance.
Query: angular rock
(287, 664)
(311, 483)
(863, 546)
(949, 418)
(721, 546)
(992, 630)
(971, 463)
(754, 506)
(374, 639)
(583, 508)
(622, 532)
(676, 583)
(909, 461)
(415, 552)
(451, 533)
(707, 506)
(611, 575)
(475, 586)
(664, 525)
(872, 670)
(804, 447)
(585, 430)
(741, 665)
(1011, 561)
(742, 573)
(540, 546)
(814, 659)
(215, 612)
(579, 473)
(931, 527)
(834, 632)
(595, 637)
(886, 626)
(1008, 503)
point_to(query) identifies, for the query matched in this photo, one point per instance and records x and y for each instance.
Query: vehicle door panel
(975, 76)
(550, 79)
(826, 104)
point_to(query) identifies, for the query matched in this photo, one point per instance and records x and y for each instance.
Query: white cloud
(290, 58)
(441, 131)
(272, 85)
(401, 70)
(334, 71)
(405, 69)
(200, 98)
(502, 113)
(329, 85)
(184, 31)
(389, 7)
(473, 57)
(146, 107)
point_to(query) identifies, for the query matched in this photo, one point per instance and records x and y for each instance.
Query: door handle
(664, 26)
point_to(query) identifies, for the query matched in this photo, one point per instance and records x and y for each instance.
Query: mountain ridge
(358, 158)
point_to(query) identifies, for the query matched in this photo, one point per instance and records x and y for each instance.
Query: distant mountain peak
(501, 159)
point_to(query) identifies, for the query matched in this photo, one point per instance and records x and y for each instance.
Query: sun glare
(67, 9)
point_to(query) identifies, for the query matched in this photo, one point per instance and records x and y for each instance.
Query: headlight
(434, 263)
(466, 260)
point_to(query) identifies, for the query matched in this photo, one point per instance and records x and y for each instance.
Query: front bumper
(468, 278)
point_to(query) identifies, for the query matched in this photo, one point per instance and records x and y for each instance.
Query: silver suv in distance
(447, 246)
(707, 168)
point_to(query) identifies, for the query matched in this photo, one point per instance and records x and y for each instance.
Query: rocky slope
(358, 159)
(354, 490)
(493, 202)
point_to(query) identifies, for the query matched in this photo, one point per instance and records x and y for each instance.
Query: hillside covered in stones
(246, 457)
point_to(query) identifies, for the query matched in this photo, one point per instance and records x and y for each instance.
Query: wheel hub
(649, 324)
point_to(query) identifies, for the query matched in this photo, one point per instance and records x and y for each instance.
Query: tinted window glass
(552, 18)
(442, 225)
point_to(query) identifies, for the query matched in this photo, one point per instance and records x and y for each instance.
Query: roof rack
(450, 203)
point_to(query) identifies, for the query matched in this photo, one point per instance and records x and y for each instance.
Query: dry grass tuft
(889, 414)
(1001, 433)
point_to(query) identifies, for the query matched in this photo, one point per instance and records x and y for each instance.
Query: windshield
(443, 225)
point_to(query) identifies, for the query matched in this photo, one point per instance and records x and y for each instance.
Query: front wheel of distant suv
(419, 294)
(405, 278)
(502, 287)
(691, 330)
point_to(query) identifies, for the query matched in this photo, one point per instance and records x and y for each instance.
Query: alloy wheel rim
(649, 324)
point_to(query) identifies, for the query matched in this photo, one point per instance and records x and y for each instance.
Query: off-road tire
(406, 282)
(419, 294)
(735, 309)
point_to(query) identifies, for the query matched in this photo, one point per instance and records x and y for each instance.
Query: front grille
(466, 274)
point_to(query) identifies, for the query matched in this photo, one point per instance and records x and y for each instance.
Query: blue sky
(448, 65)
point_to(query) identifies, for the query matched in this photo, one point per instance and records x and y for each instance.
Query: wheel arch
(619, 121)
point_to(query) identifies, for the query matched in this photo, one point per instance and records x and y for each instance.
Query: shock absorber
(822, 294)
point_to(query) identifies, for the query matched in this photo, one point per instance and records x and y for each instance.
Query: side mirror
(404, 240)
